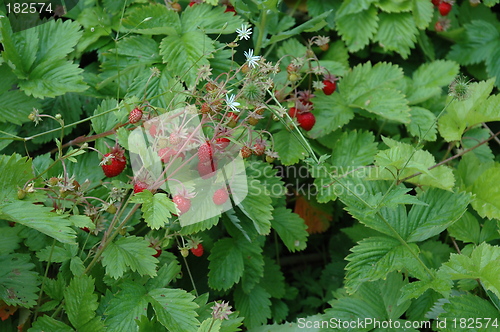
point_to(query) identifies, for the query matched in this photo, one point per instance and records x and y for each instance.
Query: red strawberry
(207, 170)
(140, 186)
(329, 87)
(444, 8)
(259, 149)
(198, 250)
(182, 203)
(205, 153)
(220, 196)
(230, 8)
(114, 162)
(135, 115)
(192, 3)
(436, 2)
(222, 143)
(306, 120)
(246, 151)
(293, 112)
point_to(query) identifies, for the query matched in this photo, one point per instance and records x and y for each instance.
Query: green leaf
(429, 79)
(354, 149)
(175, 309)
(129, 253)
(226, 265)
(443, 209)
(55, 253)
(375, 257)
(151, 19)
(80, 301)
(210, 19)
(9, 239)
(291, 229)
(16, 171)
(186, 53)
(357, 28)
(403, 160)
(397, 32)
(332, 112)
(257, 207)
(469, 308)
(18, 283)
(422, 11)
(487, 196)
(273, 281)
(253, 262)
(466, 229)
(156, 209)
(462, 114)
(47, 323)
(40, 218)
(105, 119)
(290, 148)
(127, 306)
(482, 264)
(423, 124)
(254, 306)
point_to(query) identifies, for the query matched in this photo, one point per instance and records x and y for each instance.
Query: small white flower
(230, 101)
(244, 32)
(251, 59)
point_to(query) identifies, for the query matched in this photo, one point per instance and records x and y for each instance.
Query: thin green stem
(262, 28)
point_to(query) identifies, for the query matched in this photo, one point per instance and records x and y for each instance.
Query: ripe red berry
(436, 2)
(259, 149)
(246, 151)
(135, 115)
(205, 153)
(114, 162)
(182, 203)
(306, 120)
(293, 111)
(444, 8)
(140, 186)
(220, 196)
(192, 3)
(222, 143)
(329, 87)
(230, 9)
(207, 170)
(198, 251)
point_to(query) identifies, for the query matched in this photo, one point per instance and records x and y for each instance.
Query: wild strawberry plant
(250, 165)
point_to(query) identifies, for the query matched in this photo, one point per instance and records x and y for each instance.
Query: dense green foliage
(386, 209)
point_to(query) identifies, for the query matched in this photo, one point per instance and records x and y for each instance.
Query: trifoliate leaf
(430, 78)
(257, 207)
(289, 147)
(397, 32)
(80, 301)
(487, 196)
(40, 218)
(332, 112)
(470, 307)
(481, 264)
(209, 19)
(357, 28)
(423, 124)
(354, 149)
(128, 305)
(186, 53)
(226, 264)
(156, 209)
(254, 306)
(290, 228)
(175, 309)
(403, 160)
(132, 253)
(477, 108)
(375, 257)
(151, 19)
(18, 283)
(443, 209)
